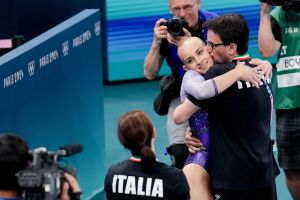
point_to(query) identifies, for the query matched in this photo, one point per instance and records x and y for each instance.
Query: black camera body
(175, 26)
(278, 2)
(43, 180)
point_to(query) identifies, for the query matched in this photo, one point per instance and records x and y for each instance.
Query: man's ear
(233, 49)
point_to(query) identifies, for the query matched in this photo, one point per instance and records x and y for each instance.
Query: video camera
(44, 178)
(278, 2)
(175, 26)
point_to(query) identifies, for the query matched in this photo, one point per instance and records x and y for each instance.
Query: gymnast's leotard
(198, 122)
(199, 125)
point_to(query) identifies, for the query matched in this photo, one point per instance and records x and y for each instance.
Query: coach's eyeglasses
(211, 46)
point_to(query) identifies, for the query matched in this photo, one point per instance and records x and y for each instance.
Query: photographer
(279, 31)
(164, 45)
(14, 157)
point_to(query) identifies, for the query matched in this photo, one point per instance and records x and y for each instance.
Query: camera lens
(175, 27)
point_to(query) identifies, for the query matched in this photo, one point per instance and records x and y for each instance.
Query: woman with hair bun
(142, 176)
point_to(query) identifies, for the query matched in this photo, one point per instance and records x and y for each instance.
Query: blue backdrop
(51, 94)
(130, 31)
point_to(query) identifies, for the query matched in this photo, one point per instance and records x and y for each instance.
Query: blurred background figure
(14, 156)
(279, 32)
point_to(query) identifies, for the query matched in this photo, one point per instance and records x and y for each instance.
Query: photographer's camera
(175, 26)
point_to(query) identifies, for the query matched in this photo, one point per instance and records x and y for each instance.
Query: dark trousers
(268, 193)
(179, 154)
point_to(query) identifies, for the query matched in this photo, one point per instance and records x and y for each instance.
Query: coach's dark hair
(14, 156)
(232, 28)
(135, 132)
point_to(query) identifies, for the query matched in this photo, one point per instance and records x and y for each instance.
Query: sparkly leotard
(192, 83)
(199, 125)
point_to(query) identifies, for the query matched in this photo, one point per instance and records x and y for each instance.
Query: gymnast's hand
(191, 142)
